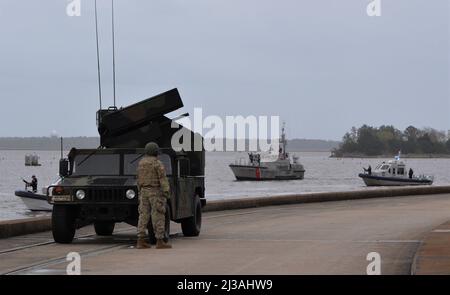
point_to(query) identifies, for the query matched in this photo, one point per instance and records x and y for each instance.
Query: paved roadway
(315, 238)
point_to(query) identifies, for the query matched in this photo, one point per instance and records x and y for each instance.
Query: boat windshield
(384, 167)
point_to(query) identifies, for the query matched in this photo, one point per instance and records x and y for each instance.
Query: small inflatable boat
(33, 201)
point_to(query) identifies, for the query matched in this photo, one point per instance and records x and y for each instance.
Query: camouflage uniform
(153, 194)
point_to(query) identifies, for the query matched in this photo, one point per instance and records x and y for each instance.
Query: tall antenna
(113, 52)
(62, 147)
(98, 58)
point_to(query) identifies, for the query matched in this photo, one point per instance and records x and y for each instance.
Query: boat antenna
(62, 144)
(113, 52)
(283, 136)
(98, 57)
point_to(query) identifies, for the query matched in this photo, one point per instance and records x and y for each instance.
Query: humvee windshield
(109, 164)
(99, 164)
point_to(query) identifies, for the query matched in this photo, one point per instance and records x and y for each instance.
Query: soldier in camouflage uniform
(154, 191)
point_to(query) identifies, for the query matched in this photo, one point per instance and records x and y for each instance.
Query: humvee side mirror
(63, 167)
(183, 167)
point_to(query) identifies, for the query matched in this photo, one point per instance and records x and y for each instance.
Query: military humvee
(99, 185)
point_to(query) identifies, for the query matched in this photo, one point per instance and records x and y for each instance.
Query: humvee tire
(63, 224)
(104, 228)
(191, 226)
(151, 233)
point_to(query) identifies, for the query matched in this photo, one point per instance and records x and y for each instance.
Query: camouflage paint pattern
(152, 174)
(151, 205)
(154, 190)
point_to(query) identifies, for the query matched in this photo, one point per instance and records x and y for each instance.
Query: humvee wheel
(191, 226)
(104, 228)
(63, 224)
(151, 233)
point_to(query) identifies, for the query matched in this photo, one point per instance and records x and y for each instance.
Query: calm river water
(322, 174)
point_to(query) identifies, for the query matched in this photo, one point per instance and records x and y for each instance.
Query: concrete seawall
(33, 225)
(221, 205)
(19, 227)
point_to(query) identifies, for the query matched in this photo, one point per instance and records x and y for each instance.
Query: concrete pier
(433, 256)
(314, 238)
(33, 225)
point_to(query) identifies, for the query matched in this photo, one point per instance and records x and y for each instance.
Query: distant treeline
(387, 140)
(53, 143)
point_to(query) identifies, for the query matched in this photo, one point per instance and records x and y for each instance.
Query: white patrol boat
(273, 166)
(393, 173)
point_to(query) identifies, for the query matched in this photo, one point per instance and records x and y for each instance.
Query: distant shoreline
(406, 156)
(57, 150)
(54, 144)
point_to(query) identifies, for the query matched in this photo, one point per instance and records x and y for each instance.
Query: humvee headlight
(80, 194)
(131, 194)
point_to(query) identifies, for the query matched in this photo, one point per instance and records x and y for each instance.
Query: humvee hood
(99, 181)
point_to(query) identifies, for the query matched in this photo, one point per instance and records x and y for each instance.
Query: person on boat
(250, 156)
(33, 183)
(368, 170)
(258, 159)
(410, 173)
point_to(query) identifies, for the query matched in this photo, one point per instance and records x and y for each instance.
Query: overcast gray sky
(322, 65)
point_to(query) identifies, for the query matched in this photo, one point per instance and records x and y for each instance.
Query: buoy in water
(32, 160)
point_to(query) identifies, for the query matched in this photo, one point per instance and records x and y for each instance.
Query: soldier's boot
(142, 244)
(160, 244)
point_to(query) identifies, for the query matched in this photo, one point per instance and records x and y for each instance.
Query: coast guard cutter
(279, 166)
